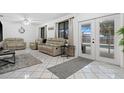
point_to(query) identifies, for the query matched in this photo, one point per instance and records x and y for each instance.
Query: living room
(53, 46)
(47, 42)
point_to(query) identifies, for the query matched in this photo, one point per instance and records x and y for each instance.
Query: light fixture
(21, 30)
(27, 21)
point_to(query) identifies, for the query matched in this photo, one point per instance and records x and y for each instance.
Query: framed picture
(51, 28)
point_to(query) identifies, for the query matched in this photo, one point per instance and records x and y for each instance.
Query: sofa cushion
(58, 42)
(19, 39)
(11, 44)
(20, 44)
(9, 39)
(48, 47)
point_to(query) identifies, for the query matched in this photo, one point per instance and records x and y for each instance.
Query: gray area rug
(22, 61)
(68, 68)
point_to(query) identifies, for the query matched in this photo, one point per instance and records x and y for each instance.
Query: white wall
(121, 54)
(51, 33)
(11, 30)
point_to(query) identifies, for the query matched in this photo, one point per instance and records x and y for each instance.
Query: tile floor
(95, 70)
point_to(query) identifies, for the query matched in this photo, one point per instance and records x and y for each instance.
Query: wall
(11, 30)
(50, 33)
(121, 54)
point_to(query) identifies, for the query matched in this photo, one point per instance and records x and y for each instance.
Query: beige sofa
(52, 46)
(14, 43)
(34, 45)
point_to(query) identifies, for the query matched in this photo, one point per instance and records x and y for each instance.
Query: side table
(68, 51)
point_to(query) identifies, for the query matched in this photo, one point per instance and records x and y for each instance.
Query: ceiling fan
(27, 21)
(21, 19)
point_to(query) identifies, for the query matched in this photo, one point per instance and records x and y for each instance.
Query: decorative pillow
(44, 40)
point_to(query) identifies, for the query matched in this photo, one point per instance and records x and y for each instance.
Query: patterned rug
(66, 69)
(22, 61)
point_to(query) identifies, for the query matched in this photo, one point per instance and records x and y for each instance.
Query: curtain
(45, 32)
(70, 37)
(56, 30)
(1, 32)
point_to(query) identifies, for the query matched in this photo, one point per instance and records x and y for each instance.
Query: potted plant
(121, 32)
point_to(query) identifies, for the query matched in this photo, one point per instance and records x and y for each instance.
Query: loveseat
(52, 46)
(14, 43)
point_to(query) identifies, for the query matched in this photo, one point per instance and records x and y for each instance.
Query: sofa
(52, 46)
(14, 43)
(34, 45)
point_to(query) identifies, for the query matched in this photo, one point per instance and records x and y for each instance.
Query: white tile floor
(95, 70)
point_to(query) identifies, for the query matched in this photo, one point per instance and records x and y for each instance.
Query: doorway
(98, 39)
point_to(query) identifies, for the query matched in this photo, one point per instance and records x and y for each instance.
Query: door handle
(93, 42)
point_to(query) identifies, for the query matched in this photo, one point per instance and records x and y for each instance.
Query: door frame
(116, 18)
(92, 56)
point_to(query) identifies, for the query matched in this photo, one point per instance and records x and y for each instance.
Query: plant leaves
(121, 31)
(121, 42)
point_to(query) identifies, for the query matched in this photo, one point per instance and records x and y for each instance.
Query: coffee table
(8, 52)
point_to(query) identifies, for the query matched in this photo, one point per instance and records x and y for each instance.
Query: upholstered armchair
(34, 45)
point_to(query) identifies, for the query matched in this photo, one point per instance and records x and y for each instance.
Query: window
(107, 39)
(86, 38)
(1, 32)
(43, 32)
(63, 30)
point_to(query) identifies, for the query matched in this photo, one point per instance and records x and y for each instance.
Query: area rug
(68, 68)
(22, 61)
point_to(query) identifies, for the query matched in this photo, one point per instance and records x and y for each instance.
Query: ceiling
(37, 18)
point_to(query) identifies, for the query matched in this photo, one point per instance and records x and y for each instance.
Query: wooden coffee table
(8, 52)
